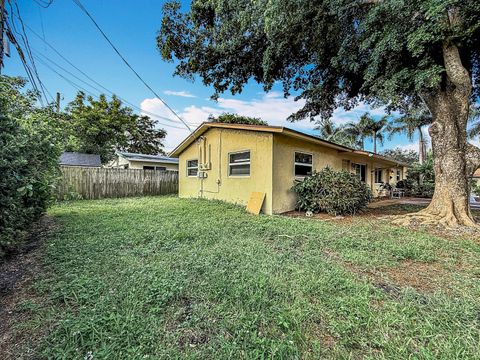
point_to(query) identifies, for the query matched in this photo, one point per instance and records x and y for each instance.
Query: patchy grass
(172, 278)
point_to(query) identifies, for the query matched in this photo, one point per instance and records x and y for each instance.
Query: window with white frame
(239, 163)
(399, 174)
(303, 164)
(192, 168)
(378, 176)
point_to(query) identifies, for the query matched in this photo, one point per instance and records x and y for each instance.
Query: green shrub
(420, 180)
(334, 192)
(476, 188)
(30, 141)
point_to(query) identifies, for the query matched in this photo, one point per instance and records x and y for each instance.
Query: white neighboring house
(126, 160)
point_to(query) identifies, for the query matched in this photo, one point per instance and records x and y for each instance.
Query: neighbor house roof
(274, 129)
(80, 159)
(477, 174)
(147, 158)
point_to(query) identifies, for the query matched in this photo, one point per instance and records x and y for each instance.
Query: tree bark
(454, 158)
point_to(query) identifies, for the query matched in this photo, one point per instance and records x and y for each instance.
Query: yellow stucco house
(230, 161)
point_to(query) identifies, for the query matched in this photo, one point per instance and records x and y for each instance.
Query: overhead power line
(81, 88)
(80, 5)
(92, 79)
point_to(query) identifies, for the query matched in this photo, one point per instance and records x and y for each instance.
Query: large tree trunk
(454, 159)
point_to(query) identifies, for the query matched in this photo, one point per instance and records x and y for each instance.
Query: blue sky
(132, 26)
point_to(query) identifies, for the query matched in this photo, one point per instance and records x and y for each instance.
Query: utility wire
(80, 5)
(100, 85)
(92, 79)
(26, 43)
(81, 88)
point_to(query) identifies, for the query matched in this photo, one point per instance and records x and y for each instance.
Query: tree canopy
(402, 155)
(229, 118)
(102, 127)
(330, 52)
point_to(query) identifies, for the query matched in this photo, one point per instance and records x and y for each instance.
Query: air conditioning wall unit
(202, 175)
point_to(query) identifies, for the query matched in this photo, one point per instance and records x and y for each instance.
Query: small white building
(127, 160)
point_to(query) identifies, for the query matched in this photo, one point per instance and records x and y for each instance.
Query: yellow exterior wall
(272, 157)
(284, 148)
(218, 143)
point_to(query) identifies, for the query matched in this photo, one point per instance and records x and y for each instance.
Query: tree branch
(472, 156)
(456, 72)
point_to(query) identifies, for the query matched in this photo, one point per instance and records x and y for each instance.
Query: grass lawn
(171, 278)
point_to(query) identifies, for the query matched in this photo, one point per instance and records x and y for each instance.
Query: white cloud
(271, 107)
(179, 93)
(410, 146)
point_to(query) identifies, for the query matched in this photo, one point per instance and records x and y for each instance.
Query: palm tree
(475, 119)
(337, 134)
(356, 131)
(374, 128)
(411, 124)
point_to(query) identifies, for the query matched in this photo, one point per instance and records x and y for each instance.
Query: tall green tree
(411, 123)
(102, 127)
(338, 52)
(374, 129)
(357, 131)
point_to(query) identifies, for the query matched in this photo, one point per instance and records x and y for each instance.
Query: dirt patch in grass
(386, 213)
(17, 273)
(424, 277)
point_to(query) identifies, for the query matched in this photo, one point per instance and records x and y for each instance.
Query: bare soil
(17, 273)
(387, 209)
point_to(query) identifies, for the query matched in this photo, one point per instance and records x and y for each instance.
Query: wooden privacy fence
(98, 183)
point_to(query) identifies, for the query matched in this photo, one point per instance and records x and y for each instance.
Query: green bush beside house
(30, 145)
(333, 192)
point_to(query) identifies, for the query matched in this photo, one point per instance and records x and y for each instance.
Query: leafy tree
(229, 118)
(102, 127)
(402, 155)
(143, 137)
(414, 119)
(338, 52)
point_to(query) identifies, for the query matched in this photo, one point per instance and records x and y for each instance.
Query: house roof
(80, 159)
(147, 158)
(476, 174)
(279, 130)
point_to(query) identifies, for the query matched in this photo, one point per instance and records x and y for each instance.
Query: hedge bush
(334, 192)
(30, 145)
